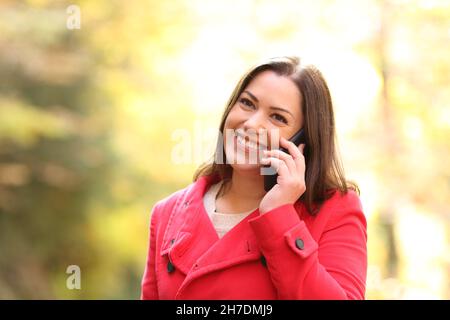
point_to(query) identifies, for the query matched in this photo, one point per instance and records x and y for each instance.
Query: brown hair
(324, 172)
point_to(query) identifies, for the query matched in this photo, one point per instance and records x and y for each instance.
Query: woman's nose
(259, 125)
(255, 122)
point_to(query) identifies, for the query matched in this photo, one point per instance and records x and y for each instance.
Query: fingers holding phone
(292, 163)
(290, 182)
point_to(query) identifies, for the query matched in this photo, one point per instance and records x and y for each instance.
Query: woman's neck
(247, 187)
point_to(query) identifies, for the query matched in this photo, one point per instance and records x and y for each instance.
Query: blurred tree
(87, 116)
(66, 184)
(413, 122)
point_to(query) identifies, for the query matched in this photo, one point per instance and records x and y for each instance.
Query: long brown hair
(324, 173)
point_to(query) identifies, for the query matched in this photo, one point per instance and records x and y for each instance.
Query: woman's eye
(246, 102)
(279, 118)
(249, 104)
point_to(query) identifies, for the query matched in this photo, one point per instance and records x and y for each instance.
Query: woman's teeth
(250, 144)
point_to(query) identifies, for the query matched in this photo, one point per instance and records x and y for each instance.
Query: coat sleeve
(149, 289)
(300, 268)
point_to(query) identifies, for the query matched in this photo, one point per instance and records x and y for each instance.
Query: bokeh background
(88, 116)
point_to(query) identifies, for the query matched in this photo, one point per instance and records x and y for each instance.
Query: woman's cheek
(230, 151)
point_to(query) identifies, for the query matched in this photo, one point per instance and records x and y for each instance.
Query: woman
(226, 237)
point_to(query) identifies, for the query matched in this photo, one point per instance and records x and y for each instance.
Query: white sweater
(222, 222)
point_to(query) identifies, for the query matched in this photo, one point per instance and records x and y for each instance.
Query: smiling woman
(305, 101)
(226, 237)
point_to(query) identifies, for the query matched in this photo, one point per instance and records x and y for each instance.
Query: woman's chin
(246, 167)
(240, 161)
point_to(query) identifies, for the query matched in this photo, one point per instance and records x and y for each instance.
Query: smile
(249, 144)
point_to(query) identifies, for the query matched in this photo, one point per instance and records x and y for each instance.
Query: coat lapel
(192, 243)
(236, 246)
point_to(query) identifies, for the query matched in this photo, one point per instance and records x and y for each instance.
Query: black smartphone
(271, 179)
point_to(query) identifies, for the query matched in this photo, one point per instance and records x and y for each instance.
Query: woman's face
(269, 105)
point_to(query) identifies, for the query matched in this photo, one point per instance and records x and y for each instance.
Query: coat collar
(192, 243)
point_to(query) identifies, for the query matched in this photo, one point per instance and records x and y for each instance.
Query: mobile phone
(271, 179)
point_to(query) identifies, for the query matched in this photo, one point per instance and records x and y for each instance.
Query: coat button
(172, 241)
(170, 267)
(263, 261)
(299, 244)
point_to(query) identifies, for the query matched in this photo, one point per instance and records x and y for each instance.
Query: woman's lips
(249, 146)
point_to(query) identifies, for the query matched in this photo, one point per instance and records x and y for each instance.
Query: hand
(291, 176)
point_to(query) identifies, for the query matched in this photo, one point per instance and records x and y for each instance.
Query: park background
(88, 115)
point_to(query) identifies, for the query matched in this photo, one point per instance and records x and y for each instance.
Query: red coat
(283, 254)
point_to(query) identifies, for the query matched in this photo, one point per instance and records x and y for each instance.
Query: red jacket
(283, 254)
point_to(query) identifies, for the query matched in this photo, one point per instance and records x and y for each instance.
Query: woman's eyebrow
(275, 108)
(251, 95)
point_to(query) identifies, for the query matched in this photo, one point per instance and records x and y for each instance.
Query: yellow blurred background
(92, 94)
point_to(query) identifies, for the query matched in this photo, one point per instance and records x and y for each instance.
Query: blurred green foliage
(87, 117)
(69, 192)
